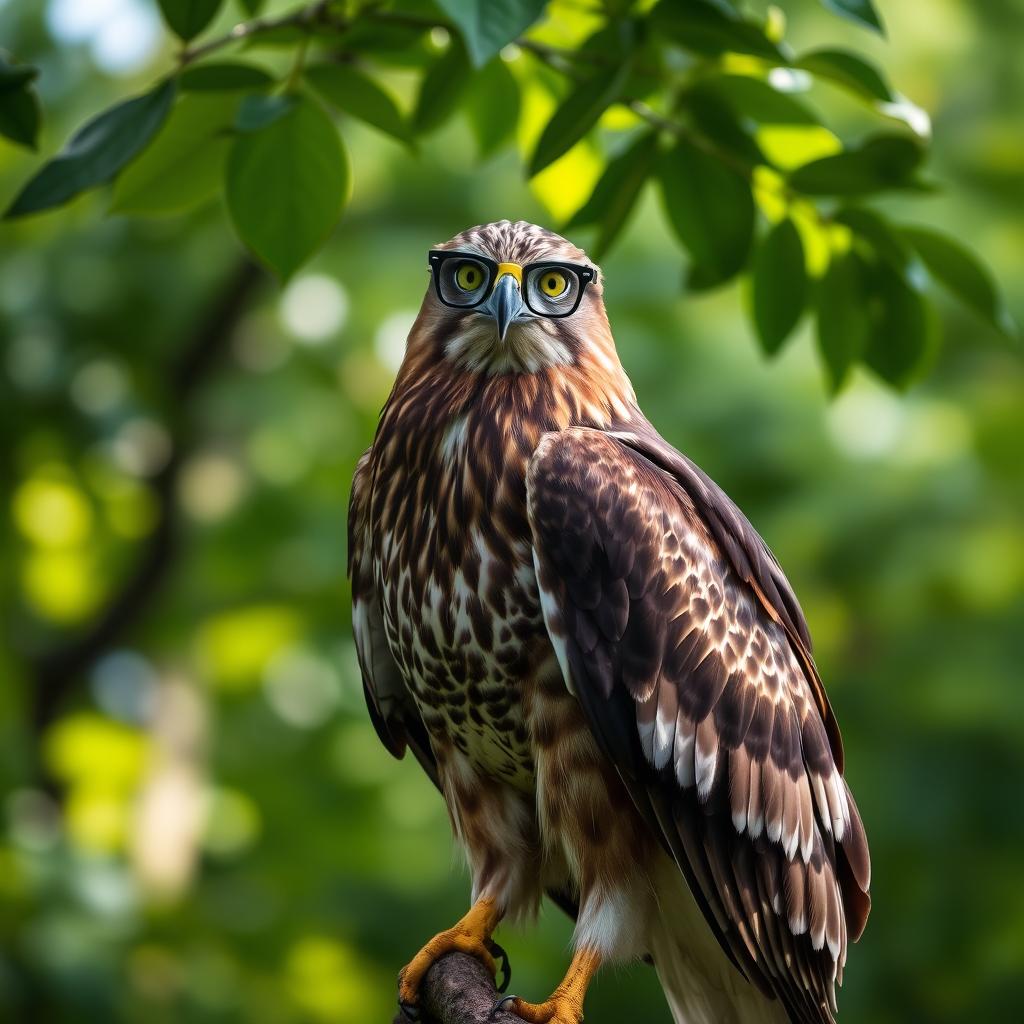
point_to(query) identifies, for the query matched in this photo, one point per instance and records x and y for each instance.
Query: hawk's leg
(566, 1003)
(470, 935)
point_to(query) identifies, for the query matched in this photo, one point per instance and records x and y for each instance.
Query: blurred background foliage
(198, 823)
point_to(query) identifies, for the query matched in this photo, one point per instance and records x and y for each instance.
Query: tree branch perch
(459, 990)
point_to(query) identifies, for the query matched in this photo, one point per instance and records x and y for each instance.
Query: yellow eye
(469, 277)
(553, 283)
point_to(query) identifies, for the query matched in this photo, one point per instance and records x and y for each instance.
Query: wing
(392, 709)
(688, 651)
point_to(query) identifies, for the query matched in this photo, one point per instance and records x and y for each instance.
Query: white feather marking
(685, 773)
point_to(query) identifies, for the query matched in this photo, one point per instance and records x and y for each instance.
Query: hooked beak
(504, 304)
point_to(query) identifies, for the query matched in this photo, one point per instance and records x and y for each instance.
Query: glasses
(464, 280)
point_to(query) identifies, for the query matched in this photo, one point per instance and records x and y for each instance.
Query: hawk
(596, 658)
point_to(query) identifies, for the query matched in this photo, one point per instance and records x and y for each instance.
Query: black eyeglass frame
(438, 256)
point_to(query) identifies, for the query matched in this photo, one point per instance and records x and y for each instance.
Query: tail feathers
(700, 984)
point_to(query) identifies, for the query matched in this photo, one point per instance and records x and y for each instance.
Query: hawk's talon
(410, 1011)
(506, 966)
(500, 1005)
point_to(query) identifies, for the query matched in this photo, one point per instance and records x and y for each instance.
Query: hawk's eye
(553, 283)
(469, 276)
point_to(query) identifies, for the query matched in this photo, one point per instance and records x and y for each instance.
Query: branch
(56, 673)
(459, 990)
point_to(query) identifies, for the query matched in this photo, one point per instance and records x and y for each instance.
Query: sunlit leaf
(355, 93)
(187, 18)
(711, 209)
(488, 25)
(184, 165)
(779, 285)
(842, 309)
(441, 89)
(616, 193)
(286, 185)
(224, 76)
(956, 267)
(860, 11)
(492, 106)
(850, 70)
(97, 151)
(576, 115)
(788, 146)
(755, 99)
(881, 162)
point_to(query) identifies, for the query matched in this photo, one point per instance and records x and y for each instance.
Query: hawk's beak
(505, 303)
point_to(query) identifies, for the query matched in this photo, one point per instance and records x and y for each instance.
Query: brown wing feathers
(656, 589)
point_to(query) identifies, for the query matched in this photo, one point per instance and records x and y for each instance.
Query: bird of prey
(596, 658)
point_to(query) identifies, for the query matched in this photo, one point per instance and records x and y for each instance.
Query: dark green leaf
(256, 112)
(355, 93)
(705, 27)
(718, 123)
(842, 315)
(19, 115)
(882, 162)
(187, 18)
(779, 285)
(876, 231)
(860, 11)
(184, 165)
(226, 76)
(97, 151)
(286, 185)
(441, 89)
(617, 191)
(850, 70)
(755, 99)
(15, 76)
(903, 329)
(492, 106)
(252, 7)
(711, 209)
(488, 25)
(577, 114)
(963, 274)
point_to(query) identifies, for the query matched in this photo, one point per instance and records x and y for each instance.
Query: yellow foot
(470, 935)
(566, 1003)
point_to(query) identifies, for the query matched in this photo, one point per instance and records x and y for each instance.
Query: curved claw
(498, 952)
(410, 1011)
(500, 1004)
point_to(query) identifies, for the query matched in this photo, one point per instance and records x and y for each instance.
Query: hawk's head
(513, 297)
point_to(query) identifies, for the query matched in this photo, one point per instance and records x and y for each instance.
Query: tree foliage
(707, 101)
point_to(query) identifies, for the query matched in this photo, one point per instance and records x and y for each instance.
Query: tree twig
(459, 990)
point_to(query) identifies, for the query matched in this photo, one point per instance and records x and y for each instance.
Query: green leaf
(488, 25)
(879, 234)
(252, 7)
(225, 76)
(779, 285)
(352, 92)
(860, 11)
(576, 115)
(441, 89)
(881, 162)
(492, 106)
(15, 76)
(617, 191)
(711, 208)
(903, 329)
(286, 186)
(850, 70)
(963, 274)
(842, 309)
(187, 18)
(184, 165)
(755, 99)
(712, 29)
(97, 151)
(256, 111)
(19, 115)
